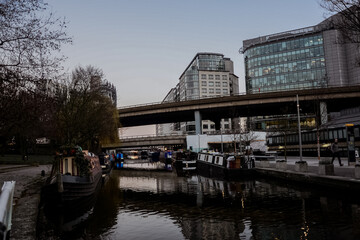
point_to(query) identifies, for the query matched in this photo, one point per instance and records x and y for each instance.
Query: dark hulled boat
(74, 180)
(185, 163)
(224, 166)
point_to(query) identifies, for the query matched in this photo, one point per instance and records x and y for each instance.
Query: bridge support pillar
(198, 120)
(323, 113)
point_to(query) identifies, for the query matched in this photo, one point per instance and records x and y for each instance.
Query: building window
(203, 90)
(217, 77)
(291, 64)
(203, 76)
(217, 84)
(224, 84)
(211, 84)
(224, 77)
(211, 76)
(205, 126)
(218, 91)
(203, 83)
(211, 90)
(225, 91)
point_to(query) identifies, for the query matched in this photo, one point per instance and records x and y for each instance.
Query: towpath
(26, 197)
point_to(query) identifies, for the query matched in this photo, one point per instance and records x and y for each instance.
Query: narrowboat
(185, 163)
(224, 166)
(75, 178)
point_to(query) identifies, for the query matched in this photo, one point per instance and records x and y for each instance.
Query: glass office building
(308, 58)
(208, 75)
(295, 63)
(190, 79)
(311, 57)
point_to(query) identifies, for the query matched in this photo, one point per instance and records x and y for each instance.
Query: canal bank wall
(339, 183)
(26, 197)
(340, 178)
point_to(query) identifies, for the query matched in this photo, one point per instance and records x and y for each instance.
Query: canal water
(160, 205)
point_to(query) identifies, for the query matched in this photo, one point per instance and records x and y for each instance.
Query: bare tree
(346, 17)
(30, 41)
(85, 115)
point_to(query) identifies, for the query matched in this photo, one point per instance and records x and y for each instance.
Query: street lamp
(222, 144)
(298, 112)
(198, 143)
(240, 137)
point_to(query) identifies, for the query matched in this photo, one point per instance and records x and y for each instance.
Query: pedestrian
(335, 151)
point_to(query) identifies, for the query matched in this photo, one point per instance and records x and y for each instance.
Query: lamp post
(198, 143)
(298, 112)
(240, 148)
(222, 144)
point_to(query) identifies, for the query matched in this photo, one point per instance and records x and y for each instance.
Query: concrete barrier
(301, 166)
(263, 164)
(326, 169)
(281, 165)
(357, 171)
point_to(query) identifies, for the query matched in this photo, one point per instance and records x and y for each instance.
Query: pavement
(340, 179)
(9, 167)
(347, 171)
(26, 197)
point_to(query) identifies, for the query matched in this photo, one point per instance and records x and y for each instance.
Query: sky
(143, 46)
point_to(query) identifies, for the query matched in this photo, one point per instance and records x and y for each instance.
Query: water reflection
(159, 205)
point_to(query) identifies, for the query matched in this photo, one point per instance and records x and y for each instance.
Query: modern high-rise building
(207, 75)
(311, 57)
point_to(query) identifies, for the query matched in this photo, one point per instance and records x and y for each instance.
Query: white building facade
(208, 75)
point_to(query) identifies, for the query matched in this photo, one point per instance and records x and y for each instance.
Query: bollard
(6, 207)
(326, 167)
(60, 186)
(301, 166)
(281, 164)
(357, 171)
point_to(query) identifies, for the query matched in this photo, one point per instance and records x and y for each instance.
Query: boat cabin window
(66, 165)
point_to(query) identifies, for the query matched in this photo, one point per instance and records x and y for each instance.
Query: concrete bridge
(148, 141)
(262, 104)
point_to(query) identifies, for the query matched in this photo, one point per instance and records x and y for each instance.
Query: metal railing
(250, 93)
(151, 136)
(6, 207)
(172, 101)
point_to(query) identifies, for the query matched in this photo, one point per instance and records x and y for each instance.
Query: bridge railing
(149, 135)
(6, 206)
(172, 101)
(253, 92)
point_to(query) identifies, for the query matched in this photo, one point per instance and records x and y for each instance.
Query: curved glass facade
(210, 62)
(189, 82)
(192, 83)
(286, 65)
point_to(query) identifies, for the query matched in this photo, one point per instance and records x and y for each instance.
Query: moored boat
(75, 178)
(185, 163)
(224, 166)
(105, 164)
